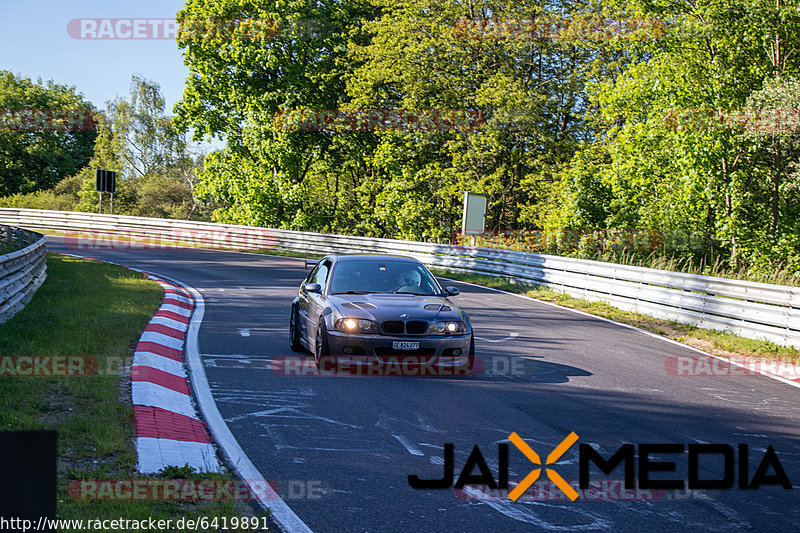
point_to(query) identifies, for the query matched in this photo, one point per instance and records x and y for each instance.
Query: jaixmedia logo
(643, 466)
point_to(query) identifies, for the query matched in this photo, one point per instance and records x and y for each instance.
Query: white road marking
(178, 297)
(169, 322)
(528, 513)
(628, 326)
(510, 336)
(392, 423)
(413, 450)
(290, 412)
(244, 332)
(159, 362)
(176, 309)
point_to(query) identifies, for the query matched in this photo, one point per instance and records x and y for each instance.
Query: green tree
(237, 84)
(155, 164)
(775, 126)
(668, 162)
(529, 91)
(38, 158)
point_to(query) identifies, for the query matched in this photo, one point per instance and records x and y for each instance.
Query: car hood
(380, 307)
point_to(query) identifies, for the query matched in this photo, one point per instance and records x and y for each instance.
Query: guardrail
(21, 271)
(754, 310)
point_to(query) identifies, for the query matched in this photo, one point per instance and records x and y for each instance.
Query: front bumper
(435, 350)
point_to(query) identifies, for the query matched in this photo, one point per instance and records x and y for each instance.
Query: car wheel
(294, 332)
(322, 352)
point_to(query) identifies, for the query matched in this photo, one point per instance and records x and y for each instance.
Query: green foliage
(34, 160)
(672, 166)
(157, 171)
(177, 472)
(587, 127)
(380, 55)
(237, 86)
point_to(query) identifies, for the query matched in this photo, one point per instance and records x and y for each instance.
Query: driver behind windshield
(409, 280)
(367, 276)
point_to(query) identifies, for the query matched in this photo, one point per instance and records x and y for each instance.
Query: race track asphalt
(341, 447)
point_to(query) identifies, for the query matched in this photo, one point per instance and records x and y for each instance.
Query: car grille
(393, 327)
(398, 327)
(416, 327)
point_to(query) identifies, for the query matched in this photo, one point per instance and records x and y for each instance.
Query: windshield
(361, 276)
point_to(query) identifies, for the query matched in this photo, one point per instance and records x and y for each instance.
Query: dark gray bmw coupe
(378, 309)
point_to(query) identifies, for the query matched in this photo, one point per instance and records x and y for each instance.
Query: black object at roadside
(28, 475)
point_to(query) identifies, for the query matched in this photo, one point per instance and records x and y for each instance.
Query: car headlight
(449, 327)
(356, 325)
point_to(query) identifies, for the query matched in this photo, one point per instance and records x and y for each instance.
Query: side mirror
(452, 291)
(313, 287)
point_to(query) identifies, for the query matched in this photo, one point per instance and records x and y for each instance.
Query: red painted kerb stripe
(159, 377)
(158, 423)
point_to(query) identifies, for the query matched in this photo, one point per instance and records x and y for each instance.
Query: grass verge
(88, 308)
(711, 341)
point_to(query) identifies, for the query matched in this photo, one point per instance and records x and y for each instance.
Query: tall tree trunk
(729, 210)
(777, 171)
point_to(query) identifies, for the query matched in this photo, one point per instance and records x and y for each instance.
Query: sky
(35, 42)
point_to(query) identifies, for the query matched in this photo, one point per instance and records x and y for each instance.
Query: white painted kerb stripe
(159, 362)
(152, 395)
(175, 309)
(169, 322)
(155, 454)
(160, 338)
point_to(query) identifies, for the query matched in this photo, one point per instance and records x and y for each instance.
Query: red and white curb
(168, 430)
(160, 448)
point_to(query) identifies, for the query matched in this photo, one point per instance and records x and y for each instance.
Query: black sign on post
(106, 181)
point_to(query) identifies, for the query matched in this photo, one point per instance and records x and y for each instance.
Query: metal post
(100, 204)
(112, 203)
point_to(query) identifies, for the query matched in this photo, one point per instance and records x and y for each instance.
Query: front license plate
(399, 345)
